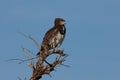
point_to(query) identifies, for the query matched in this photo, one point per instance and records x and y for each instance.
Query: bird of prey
(54, 37)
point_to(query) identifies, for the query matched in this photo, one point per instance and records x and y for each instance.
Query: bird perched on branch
(54, 37)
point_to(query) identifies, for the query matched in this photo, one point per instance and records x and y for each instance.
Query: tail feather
(38, 53)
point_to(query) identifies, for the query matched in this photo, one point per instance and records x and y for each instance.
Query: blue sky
(92, 40)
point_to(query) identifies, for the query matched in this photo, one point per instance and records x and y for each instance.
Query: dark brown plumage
(55, 36)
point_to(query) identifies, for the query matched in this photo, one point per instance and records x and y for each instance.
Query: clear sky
(92, 40)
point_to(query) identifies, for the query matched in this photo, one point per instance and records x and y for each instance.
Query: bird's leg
(53, 49)
(57, 48)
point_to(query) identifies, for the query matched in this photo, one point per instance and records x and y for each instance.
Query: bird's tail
(38, 53)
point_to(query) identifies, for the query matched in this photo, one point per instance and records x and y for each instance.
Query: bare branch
(32, 65)
(31, 38)
(21, 60)
(25, 50)
(40, 68)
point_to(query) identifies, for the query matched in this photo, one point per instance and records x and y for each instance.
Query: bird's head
(59, 22)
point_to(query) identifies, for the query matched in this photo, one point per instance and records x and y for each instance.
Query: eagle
(54, 37)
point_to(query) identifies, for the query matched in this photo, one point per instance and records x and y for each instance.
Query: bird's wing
(50, 34)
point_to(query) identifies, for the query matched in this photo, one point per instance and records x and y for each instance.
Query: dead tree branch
(40, 68)
(31, 38)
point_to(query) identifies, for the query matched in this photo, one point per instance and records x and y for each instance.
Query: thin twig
(25, 50)
(21, 60)
(31, 38)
